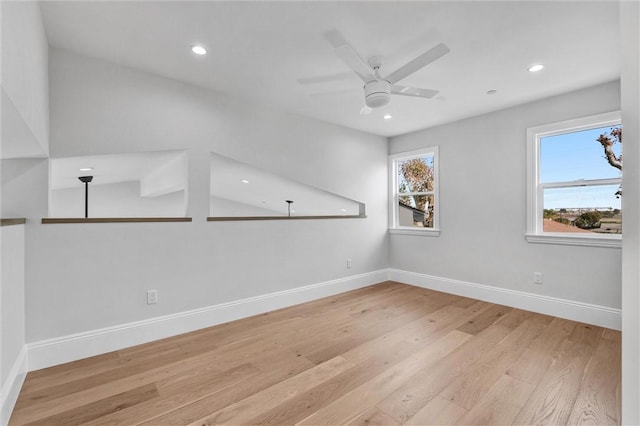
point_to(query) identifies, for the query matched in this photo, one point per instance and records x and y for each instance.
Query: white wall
(25, 106)
(168, 178)
(12, 295)
(630, 36)
(24, 188)
(86, 276)
(12, 317)
(23, 176)
(483, 207)
(225, 207)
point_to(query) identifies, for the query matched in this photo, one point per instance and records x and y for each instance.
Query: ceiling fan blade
(335, 37)
(413, 91)
(418, 63)
(365, 110)
(349, 56)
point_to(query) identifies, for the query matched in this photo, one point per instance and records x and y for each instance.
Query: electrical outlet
(348, 263)
(152, 297)
(537, 277)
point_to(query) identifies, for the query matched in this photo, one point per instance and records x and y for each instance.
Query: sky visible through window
(574, 156)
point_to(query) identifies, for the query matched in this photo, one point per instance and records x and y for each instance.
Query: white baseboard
(68, 348)
(583, 312)
(12, 385)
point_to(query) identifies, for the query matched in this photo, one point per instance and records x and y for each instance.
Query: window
(414, 192)
(574, 182)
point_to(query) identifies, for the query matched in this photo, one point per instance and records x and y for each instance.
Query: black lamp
(289, 206)
(86, 180)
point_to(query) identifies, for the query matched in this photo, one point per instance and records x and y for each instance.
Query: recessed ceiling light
(491, 92)
(343, 210)
(198, 50)
(536, 67)
(86, 169)
(244, 181)
(387, 117)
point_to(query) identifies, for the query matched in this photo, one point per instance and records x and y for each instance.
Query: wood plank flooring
(387, 354)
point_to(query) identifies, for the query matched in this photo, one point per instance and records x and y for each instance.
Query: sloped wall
(25, 82)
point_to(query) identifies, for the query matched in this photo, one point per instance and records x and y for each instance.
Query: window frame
(535, 189)
(394, 227)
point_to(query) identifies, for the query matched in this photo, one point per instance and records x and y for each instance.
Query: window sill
(418, 232)
(590, 241)
(49, 220)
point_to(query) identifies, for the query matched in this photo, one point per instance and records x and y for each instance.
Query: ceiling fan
(378, 89)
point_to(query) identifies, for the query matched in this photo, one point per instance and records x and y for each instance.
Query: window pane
(577, 155)
(416, 174)
(582, 209)
(416, 210)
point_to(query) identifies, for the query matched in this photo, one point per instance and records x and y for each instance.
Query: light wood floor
(387, 354)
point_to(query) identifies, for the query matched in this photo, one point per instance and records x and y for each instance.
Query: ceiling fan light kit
(377, 93)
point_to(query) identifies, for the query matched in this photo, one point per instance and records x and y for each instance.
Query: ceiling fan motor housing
(377, 93)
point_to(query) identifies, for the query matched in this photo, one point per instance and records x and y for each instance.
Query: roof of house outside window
(550, 225)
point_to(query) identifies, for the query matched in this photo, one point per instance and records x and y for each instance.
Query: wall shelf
(13, 221)
(240, 218)
(50, 220)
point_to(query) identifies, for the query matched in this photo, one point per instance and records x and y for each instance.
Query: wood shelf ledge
(50, 220)
(13, 221)
(240, 218)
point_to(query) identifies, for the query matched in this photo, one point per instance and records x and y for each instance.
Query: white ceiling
(260, 50)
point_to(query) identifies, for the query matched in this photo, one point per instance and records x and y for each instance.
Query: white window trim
(394, 228)
(535, 207)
